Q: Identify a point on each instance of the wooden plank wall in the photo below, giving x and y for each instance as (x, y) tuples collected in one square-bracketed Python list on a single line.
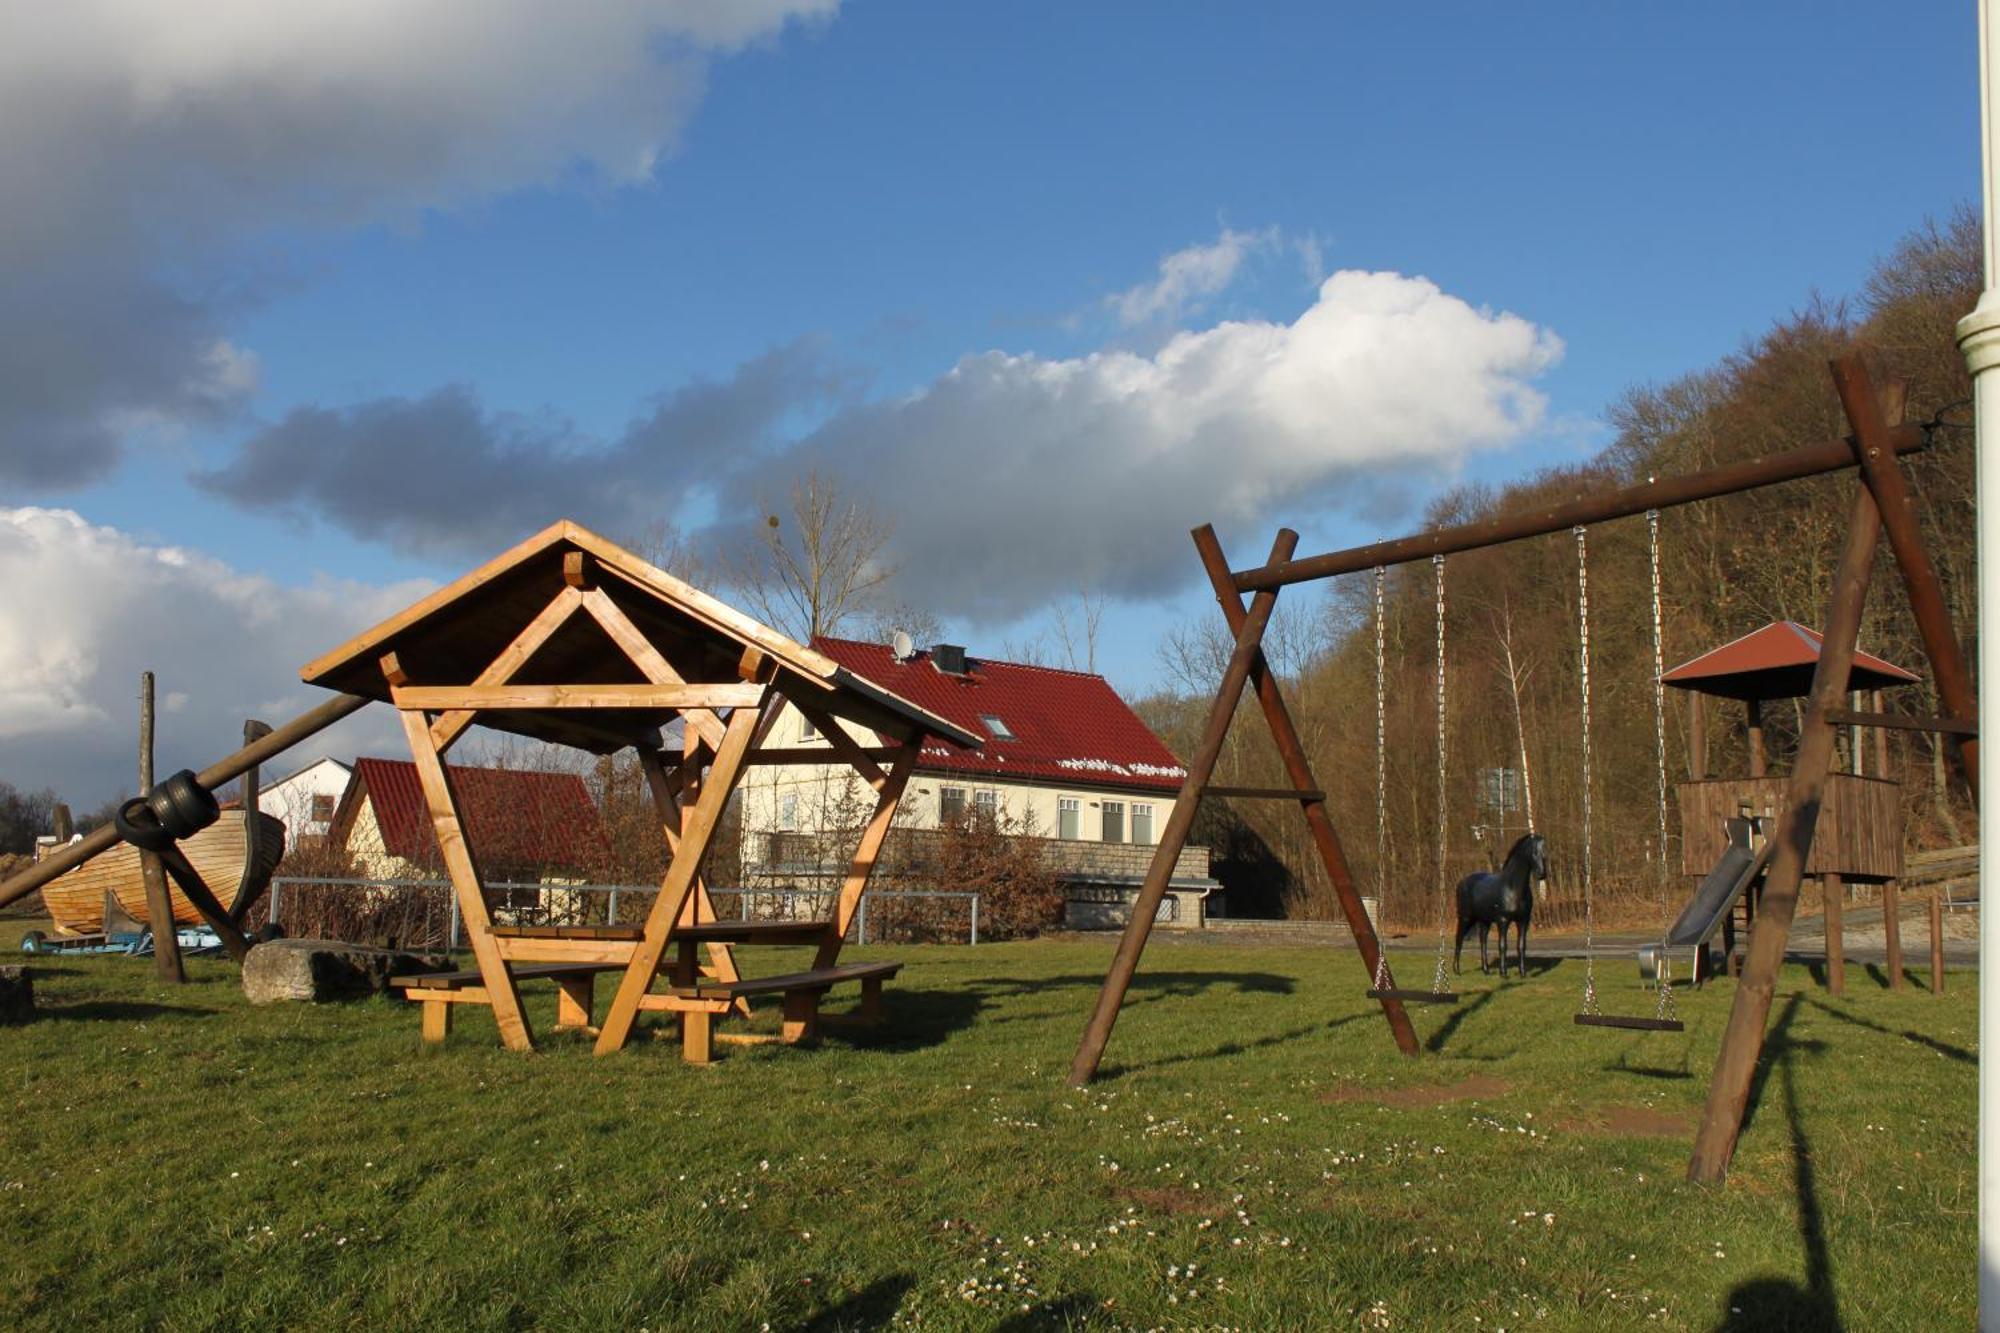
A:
[(1860, 833)]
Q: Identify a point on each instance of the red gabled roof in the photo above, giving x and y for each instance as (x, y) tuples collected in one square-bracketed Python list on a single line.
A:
[(1776, 662), (1069, 727), (514, 819)]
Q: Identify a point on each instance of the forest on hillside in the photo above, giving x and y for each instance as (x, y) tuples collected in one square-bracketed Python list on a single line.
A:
[(1512, 718)]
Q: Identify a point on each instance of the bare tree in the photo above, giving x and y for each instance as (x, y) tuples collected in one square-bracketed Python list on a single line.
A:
[(826, 564), (1076, 628)]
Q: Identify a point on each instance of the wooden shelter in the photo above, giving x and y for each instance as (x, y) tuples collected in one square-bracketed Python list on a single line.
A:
[(568, 638)]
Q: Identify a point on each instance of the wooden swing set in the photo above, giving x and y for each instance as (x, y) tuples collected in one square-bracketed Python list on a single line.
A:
[(1881, 505)]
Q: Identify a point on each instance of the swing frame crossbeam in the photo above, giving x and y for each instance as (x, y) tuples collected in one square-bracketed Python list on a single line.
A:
[(1882, 507)]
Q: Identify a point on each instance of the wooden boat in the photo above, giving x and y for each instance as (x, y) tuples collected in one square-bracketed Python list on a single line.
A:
[(76, 900)]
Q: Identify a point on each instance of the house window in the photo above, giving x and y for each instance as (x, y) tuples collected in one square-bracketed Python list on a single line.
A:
[(807, 731), (998, 726), (951, 805), (1114, 821), (1069, 818), (322, 807), (986, 804), (1142, 823), (788, 811)]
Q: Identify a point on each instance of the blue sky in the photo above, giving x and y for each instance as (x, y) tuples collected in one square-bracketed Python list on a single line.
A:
[(878, 193)]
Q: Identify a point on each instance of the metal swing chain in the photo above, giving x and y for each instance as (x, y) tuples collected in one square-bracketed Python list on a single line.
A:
[(1439, 982), (1663, 982), (1583, 700), (1382, 981)]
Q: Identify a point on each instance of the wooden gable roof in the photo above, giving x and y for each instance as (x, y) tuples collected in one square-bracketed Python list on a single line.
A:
[(451, 636)]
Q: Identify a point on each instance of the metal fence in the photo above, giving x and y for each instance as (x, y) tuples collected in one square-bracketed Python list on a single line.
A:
[(423, 913)]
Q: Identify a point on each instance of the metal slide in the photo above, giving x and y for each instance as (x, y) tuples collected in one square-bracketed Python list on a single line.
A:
[(1743, 860)]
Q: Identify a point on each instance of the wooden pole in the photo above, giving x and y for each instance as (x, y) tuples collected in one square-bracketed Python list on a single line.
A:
[(1306, 788), (1937, 943), (1834, 889), (1882, 769), (1697, 704), (159, 900), (1201, 767), (1876, 451), (1743, 1038), (253, 823), (65, 859), (1754, 728), (1892, 930)]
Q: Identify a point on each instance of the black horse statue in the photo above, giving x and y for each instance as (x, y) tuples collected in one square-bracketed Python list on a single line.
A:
[(1489, 898)]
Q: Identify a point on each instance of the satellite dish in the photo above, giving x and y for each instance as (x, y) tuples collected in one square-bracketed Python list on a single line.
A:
[(904, 647)]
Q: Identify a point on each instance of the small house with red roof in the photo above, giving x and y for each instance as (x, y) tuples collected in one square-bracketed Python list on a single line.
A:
[(1065, 760), (529, 826)]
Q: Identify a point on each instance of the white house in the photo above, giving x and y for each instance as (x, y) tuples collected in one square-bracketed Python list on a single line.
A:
[(306, 800), (1065, 759)]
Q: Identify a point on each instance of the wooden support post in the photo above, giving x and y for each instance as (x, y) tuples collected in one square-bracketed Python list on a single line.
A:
[(1937, 943), (574, 1001), (871, 996), (152, 871), (1754, 731), (466, 883), (436, 1020), (866, 854), (1743, 1038), (1298, 770), (195, 889), (1892, 931), (801, 1016), (697, 1036), (1834, 889), (1697, 706), (678, 882), (667, 807), (1881, 737), (253, 824), (1873, 417)]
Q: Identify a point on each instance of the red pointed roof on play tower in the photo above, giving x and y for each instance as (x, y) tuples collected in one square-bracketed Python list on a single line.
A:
[(1775, 662)]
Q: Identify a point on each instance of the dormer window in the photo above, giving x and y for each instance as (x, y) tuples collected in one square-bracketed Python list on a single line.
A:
[(997, 726)]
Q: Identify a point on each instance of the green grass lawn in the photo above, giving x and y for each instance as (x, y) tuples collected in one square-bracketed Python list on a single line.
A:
[(1256, 1156)]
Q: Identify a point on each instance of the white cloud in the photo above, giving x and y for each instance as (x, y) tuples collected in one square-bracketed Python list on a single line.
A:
[(90, 607), (142, 140), (1014, 478), (1188, 277)]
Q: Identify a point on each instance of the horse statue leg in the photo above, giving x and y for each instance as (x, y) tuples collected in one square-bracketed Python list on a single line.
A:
[(1465, 924), (1521, 944)]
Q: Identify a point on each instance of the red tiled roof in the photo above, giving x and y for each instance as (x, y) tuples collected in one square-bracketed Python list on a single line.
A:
[(1069, 727), (514, 819), (1776, 662)]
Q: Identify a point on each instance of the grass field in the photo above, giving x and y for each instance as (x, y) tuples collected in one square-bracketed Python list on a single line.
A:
[(1256, 1157)]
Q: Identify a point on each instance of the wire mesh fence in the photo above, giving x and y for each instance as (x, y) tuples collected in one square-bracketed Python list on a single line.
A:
[(423, 913)]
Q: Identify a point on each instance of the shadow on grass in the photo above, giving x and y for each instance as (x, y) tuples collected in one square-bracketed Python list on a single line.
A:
[(870, 1308), (1624, 1065), (912, 1019), (1779, 1303), (1149, 984), (1435, 1042), (122, 1010), (1944, 1048), (1114, 1072)]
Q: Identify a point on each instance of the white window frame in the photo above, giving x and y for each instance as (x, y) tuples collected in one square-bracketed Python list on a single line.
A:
[(1104, 812), (1132, 815), (1073, 807), (787, 820), (944, 805), (986, 803)]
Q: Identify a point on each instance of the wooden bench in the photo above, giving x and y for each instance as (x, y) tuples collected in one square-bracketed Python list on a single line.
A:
[(567, 944), (802, 992), (439, 991)]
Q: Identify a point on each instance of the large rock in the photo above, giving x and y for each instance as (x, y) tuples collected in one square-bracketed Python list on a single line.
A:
[(17, 995), (315, 970)]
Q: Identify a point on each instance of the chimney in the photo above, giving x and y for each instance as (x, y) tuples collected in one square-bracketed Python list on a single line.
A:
[(949, 658)]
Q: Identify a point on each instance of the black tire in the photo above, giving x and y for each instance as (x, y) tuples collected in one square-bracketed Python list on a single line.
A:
[(183, 806), (34, 942)]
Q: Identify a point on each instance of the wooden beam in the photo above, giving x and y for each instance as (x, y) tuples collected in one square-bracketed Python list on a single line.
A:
[(639, 650), (463, 870), (678, 882), (1953, 726), (505, 698), (1599, 507), (862, 867), (1173, 837), (195, 889), (666, 788), (501, 669), (1743, 1038), (843, 744), (1262, 793), (1298, 768), (1875, 449), (812, 754)]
